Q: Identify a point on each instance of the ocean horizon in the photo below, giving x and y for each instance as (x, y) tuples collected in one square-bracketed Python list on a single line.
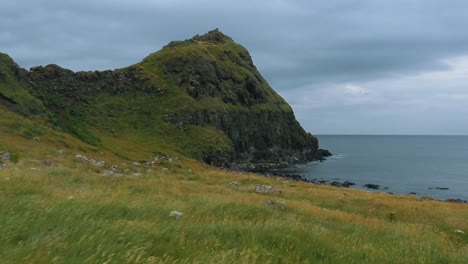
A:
[(432, 166)]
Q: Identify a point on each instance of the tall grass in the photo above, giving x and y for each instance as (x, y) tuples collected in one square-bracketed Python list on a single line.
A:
[(72, 215)]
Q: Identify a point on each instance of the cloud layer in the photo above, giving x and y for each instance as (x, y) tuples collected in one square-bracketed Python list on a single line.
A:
[(346, 66)]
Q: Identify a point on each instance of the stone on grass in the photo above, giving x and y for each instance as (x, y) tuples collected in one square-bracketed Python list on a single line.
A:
[(4, 155), (266, 189), (47, 163), (176, 214), (270, 202), (108, 173), (164, 169), (81, 158), (234, 185), (459, 232)]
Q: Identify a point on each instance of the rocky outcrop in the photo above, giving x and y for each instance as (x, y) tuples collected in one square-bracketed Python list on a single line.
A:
[(203, 88), (263, 136)]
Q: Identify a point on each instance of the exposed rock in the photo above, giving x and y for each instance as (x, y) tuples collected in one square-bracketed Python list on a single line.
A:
[(137, 174), (459, 231), (5, 156), (47, 163), (325, 153), (348, 183), (412, 193), (136, 164), (455, 201), (266, 189), (176, 214), (81, 158), (270, 202), (439, 188), (234, 185), (2, 166), (101, 163), (107, 173), (164, 170), (71, 197), (372, 186)]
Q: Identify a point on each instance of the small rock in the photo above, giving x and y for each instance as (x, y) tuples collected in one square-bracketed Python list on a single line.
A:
[(107, 173), (455, 201), (234, 185), (266, 189), (164, 169), (348, 183), (4, 155), (459, 232), (114, 168), (136, 164), (270, 202), (47, 163), (412, 193), (136, 174), (372, 186), (81, 158), (71, 197), (2, 166), (190, 170), (61, 151), (101, 163), (176, 214)]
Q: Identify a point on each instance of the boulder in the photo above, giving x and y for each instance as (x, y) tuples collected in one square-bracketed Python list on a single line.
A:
[(234, 185), (48, 163), (81, 158), (4, 155), (372, 186), (176, 214)]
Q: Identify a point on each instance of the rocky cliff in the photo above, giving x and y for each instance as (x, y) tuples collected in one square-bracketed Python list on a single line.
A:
[(203, 97)]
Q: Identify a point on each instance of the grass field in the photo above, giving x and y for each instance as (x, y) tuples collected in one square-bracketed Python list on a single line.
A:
[(71, 213)]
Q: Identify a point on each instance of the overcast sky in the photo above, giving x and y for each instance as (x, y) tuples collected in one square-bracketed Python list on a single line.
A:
[(345, 66)]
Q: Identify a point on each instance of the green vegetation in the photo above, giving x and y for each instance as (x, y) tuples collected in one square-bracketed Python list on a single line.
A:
[(14, 95)]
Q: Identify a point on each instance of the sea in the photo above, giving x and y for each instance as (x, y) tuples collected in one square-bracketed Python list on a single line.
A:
[(424, 166)]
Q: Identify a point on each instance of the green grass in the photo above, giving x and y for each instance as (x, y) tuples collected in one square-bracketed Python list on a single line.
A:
[(126, 219)]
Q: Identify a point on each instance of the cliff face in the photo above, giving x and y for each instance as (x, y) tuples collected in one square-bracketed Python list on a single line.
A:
[(203, 97)]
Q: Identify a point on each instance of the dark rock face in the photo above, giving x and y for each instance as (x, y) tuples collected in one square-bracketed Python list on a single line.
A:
[(263, 136)]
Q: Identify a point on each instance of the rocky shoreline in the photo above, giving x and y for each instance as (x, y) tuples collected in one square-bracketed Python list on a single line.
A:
[(275, 170)]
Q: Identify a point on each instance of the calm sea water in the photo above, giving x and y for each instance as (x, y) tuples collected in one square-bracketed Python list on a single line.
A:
[(403, 164)]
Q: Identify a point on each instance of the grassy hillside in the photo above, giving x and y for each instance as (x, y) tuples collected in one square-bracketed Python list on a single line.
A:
[(75, 212)]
